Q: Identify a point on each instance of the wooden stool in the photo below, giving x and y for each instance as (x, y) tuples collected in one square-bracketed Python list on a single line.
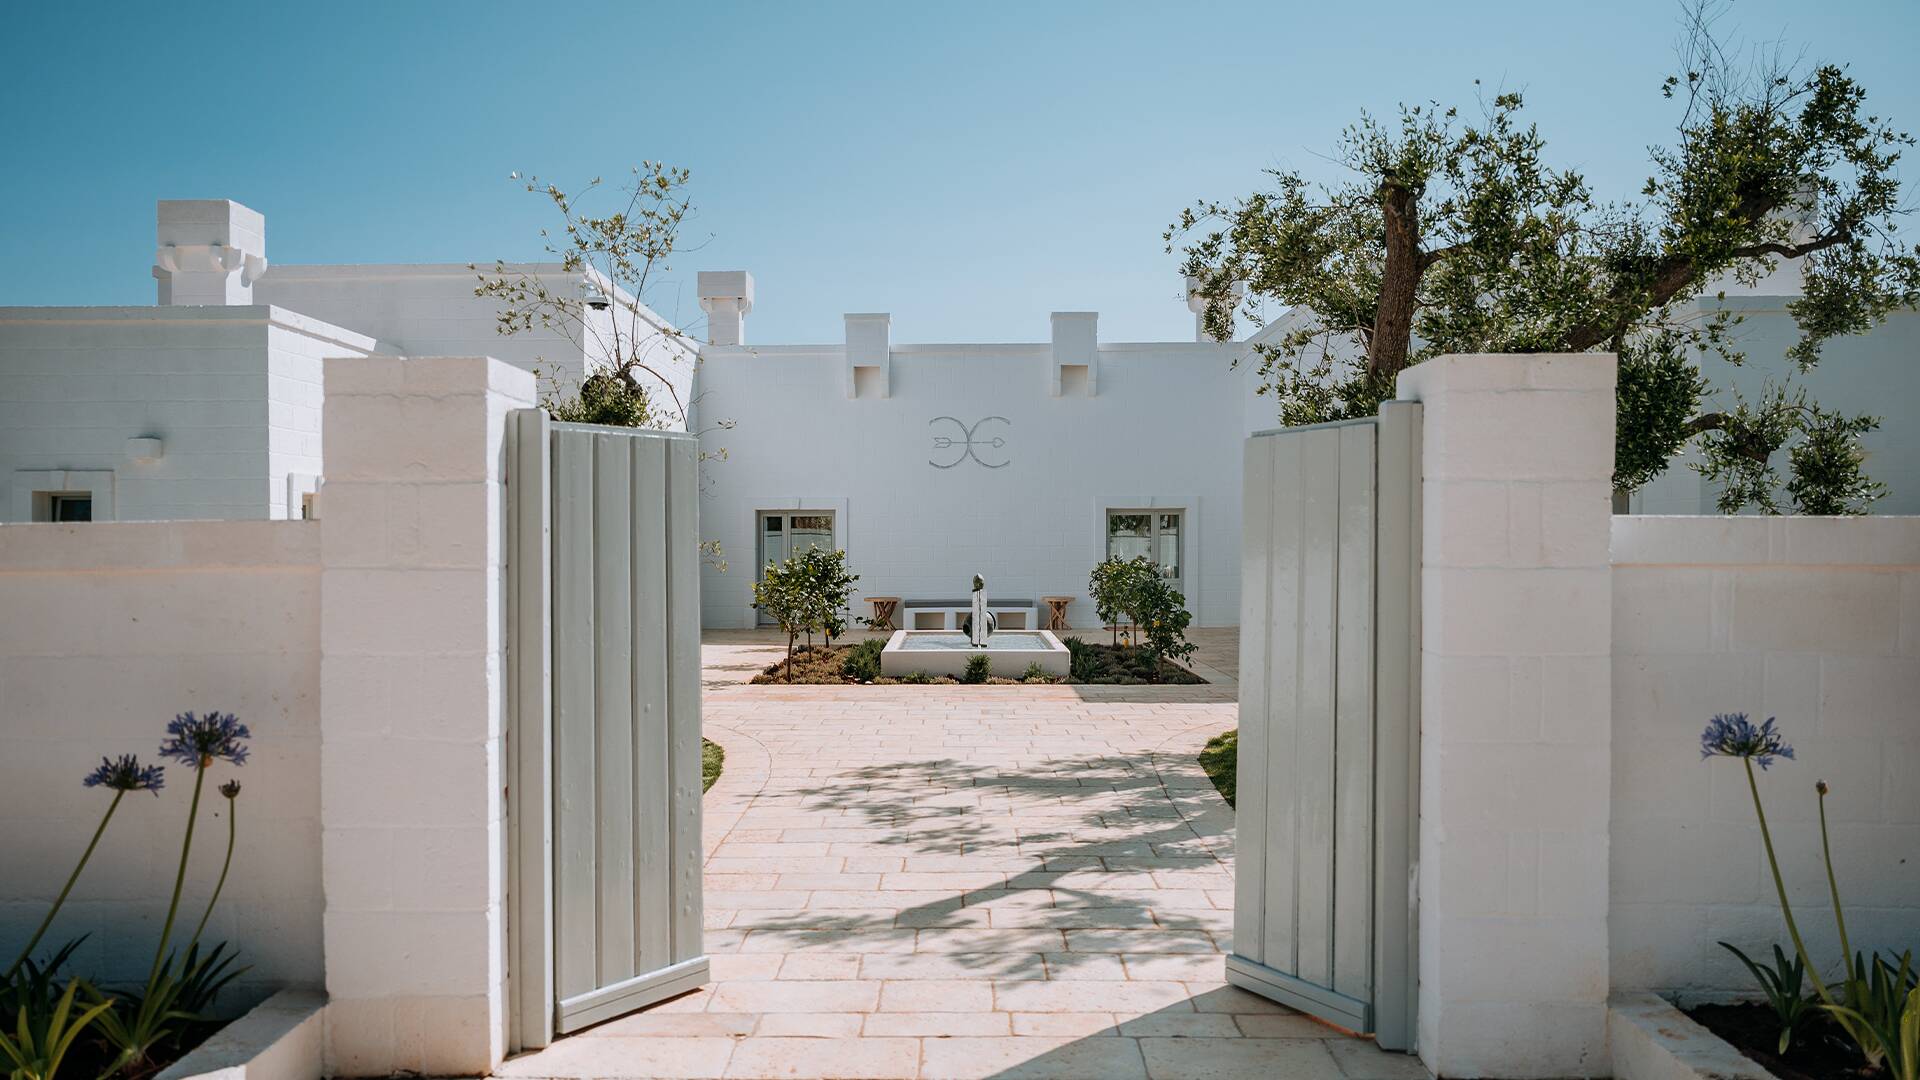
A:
[(883, 609), (1057, 611)]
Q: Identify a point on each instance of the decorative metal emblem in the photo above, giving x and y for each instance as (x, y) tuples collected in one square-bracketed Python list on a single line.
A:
[(969, 443)]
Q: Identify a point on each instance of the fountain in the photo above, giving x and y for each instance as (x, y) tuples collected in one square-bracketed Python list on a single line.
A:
[(945, 652)]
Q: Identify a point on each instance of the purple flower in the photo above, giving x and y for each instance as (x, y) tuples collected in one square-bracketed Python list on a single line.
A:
[(197, 741), (127, 774), (1733, 735)]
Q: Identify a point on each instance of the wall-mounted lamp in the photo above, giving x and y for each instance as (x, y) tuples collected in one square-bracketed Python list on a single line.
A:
[(145, 450)]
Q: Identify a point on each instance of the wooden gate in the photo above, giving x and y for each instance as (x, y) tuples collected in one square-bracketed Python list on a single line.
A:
[(1326, 831), (604, 748)]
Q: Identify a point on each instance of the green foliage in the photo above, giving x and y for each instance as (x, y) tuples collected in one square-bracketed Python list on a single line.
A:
[(1827, 465), (862, 663), (806, 594), (918, 678), (1882, 1013), (979, 669), (613, 256), (606, 399), (1036, 673), (40, 1039), (713, 757), (1117, 586), (1454, 236), (1161, 613), (1221, 761), (1784, 985), (1080, 659)]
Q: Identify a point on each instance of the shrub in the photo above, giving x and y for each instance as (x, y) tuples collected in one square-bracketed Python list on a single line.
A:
[(1114, 583), (1162, 615), (978, 669), (863, 661), (606, 398), (916, 677), (1036, 673), (1081, 663), (805, 593)]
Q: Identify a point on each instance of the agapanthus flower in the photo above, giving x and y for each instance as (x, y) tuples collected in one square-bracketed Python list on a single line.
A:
[(125, 773), (1733, 735), (198, 741)]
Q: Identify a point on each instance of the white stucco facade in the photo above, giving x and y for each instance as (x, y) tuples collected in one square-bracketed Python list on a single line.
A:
[(207, 405), (936, 462)]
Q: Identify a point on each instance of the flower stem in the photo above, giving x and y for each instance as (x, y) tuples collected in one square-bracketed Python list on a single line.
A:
[(180, 875), (67, 888), (233, 810), (1780, 886), (1833, 888)]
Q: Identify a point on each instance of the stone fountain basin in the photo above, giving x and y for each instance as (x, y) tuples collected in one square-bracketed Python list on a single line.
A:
[(946, 652)]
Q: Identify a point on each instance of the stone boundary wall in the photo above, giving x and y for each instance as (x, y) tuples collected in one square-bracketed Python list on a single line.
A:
[(1815, 621), (110, 630)]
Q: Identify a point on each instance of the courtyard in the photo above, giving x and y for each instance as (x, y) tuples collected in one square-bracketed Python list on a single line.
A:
[(962, 881)]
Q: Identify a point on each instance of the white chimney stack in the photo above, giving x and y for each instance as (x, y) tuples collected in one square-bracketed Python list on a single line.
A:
[(210, 253), (1197, 303), (727, 297)]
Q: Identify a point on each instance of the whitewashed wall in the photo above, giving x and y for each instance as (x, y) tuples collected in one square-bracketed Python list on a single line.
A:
[(233, 393), (1816, 622), (1874, 373), (110, 631), (1163, 429), (430, 310)]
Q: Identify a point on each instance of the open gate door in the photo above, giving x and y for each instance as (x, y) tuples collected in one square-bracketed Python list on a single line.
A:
[(1326, 826), (604, 750)]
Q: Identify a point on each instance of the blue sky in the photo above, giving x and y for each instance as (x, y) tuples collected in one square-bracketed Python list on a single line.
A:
[(968, 167)]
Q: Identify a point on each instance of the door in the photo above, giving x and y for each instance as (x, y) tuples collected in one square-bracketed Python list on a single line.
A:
[(604, 748), (785, 533), (1324, 884)]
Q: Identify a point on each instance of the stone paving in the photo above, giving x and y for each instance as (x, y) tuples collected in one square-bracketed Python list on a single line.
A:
[(948, 881)]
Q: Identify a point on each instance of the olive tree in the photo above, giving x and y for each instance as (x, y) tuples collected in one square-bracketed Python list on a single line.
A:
[(1455, 235)]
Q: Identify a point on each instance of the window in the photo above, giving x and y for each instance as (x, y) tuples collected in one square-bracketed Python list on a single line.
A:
[(785, 533), (69, 506), (1152, 533)]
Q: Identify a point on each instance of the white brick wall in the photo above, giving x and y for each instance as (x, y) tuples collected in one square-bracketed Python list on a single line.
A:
[(232, 392), (412, 631), (1816, 622), (111, 630), (1514, 713)]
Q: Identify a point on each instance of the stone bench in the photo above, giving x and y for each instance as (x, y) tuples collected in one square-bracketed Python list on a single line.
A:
[(946, 614)]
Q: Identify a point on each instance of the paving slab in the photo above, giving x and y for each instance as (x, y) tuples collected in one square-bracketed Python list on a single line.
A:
[(959, 881)]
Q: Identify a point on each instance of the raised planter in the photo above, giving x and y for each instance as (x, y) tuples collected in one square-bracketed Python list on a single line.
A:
[(1649, 1039), (279, 1039), (946, 652)]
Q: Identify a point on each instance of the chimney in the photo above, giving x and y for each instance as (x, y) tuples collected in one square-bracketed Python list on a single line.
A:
[(1076, 353), (1197, 302), (726, 296), (210, 253), (870, 346)]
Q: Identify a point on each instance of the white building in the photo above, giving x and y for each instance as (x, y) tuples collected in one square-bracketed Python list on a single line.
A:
[(1026, 463), (208, 404)]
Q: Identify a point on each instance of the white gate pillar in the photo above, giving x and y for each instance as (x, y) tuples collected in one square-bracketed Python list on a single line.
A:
[(1515, 712), (412, 713)]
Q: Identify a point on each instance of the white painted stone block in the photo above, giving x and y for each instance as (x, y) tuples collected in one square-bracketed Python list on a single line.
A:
[(1515, 713), (411, 739)]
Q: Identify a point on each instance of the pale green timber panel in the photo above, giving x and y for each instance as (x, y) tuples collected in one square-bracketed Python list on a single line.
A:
[(576, 786), (1328, 740), (652, 870), (683, 698)]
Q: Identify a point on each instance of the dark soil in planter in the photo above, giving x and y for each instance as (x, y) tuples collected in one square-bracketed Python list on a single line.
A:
[(90, 1056), (1820, 1051)]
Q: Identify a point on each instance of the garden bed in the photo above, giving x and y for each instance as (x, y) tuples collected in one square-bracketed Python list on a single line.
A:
[(1819, 1052), (1094, 664)]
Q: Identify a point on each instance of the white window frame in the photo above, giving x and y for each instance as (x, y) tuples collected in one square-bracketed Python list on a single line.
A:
[(31, 488), (764, 505), (1189, 509)]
